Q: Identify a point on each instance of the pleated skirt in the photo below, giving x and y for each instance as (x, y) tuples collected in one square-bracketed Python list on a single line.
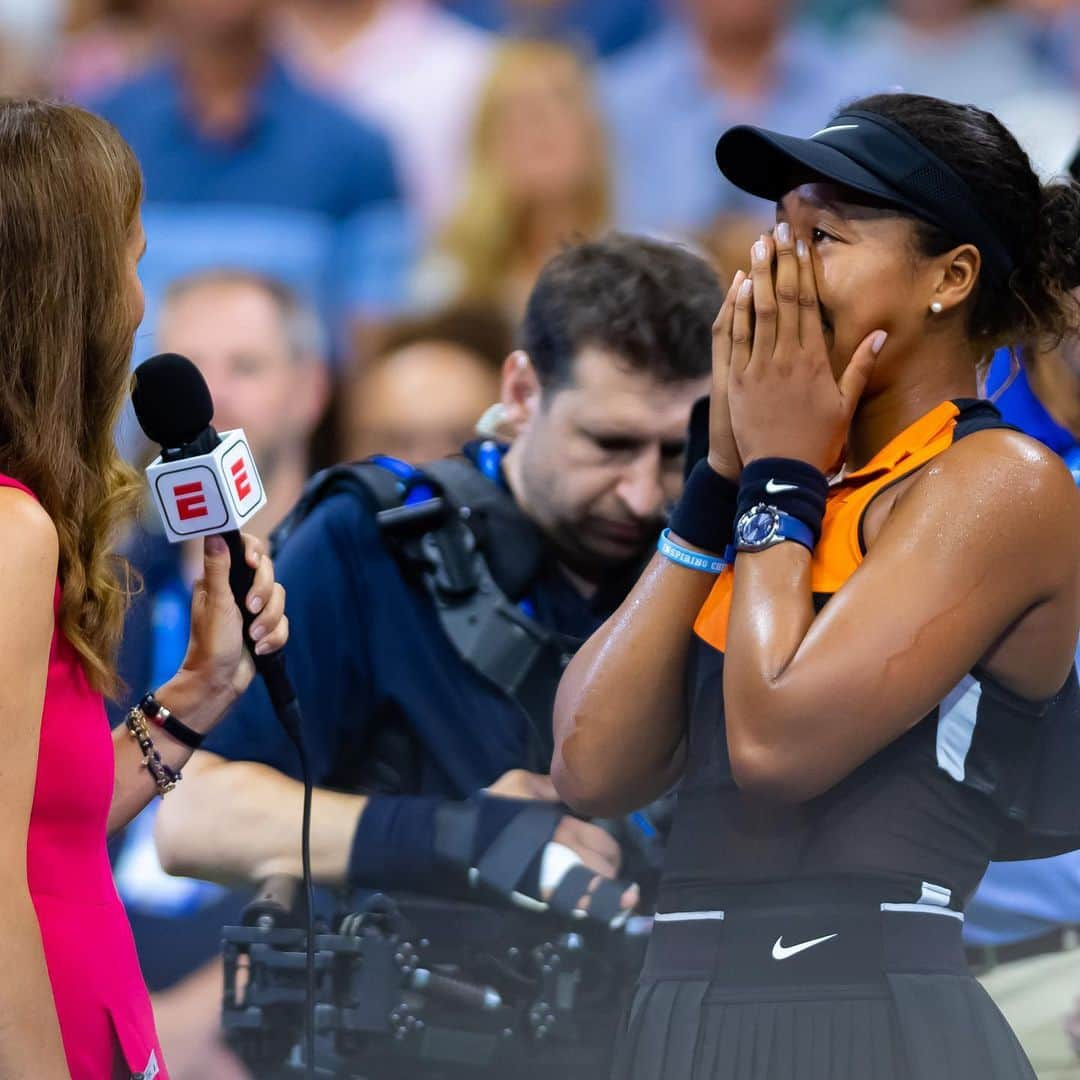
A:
[(863, 1012)]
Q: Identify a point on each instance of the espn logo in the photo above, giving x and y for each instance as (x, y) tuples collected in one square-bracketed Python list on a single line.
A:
[(240, 478), (190, 501), (208, 494)]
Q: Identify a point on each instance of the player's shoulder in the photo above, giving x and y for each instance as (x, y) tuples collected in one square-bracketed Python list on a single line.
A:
[(1008, 477), (1009, 456)]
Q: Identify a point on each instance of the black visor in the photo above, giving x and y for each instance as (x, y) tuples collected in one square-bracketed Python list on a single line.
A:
[(870, 154)]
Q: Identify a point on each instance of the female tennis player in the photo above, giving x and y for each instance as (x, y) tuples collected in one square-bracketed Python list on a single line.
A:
[(866, 687)]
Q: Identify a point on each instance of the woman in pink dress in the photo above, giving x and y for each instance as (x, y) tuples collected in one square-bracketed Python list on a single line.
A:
[(72, 998)]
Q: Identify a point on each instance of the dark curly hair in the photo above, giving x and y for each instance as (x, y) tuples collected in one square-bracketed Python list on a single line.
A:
[(649, 303), (1038, 223)]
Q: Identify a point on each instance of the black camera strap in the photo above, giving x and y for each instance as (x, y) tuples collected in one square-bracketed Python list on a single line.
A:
[(475, 554)]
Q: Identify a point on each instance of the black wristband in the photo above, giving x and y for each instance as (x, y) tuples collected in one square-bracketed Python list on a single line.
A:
[(705, 515), (160, 717), (793, 487), (394, 844), (417, 843)]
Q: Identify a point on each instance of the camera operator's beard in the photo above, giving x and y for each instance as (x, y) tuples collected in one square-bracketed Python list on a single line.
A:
[(586, 565)]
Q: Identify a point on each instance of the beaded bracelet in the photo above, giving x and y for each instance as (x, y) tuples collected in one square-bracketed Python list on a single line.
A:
[(164, 778)]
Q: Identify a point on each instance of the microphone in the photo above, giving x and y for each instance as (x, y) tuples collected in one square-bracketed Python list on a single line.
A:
[(206, 484)]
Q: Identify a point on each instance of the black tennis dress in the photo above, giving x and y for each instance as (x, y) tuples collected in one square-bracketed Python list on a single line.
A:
[(823, 941)]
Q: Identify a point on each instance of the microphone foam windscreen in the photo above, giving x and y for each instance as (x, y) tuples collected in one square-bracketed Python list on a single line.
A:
[(171, 399)]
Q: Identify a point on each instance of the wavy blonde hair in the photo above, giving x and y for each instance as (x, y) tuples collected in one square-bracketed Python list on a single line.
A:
[(70, 190), (483, 232)]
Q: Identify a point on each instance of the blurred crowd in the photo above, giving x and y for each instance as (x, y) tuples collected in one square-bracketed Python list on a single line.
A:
[(347, 203), (406, 166)]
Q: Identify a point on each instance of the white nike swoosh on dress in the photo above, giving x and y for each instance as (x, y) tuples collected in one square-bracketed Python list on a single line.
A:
[(773, 488), (835, 127), (782, 952)]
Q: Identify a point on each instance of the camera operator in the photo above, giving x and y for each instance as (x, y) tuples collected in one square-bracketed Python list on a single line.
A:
[(411, 737)]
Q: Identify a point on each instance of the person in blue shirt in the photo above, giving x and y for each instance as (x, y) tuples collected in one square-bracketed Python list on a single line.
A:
[(245, 166), (717, 63), (402, 732), (217, 118), (1040, 393), (603, 26)]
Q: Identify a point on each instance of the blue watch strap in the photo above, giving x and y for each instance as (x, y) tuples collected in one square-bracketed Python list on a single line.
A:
[(787, 527), (692, 560), (791, 528)]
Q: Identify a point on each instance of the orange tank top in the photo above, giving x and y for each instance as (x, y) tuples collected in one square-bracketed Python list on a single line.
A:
[(840, 550)]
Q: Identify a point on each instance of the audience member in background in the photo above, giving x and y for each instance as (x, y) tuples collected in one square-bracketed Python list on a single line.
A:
[(422, 395), (538, 178), (262, 354), (244, 165), (218, 119), (603, 26), (726, 240), (723, 62), (105, 42), (413, 67), (29, 30), (972, 51), (1057, 24)]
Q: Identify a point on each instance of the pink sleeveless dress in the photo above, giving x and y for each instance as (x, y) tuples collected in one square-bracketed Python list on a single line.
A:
[(101, 999)]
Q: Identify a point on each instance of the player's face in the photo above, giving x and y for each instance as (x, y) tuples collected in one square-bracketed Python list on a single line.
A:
[(868, 274)]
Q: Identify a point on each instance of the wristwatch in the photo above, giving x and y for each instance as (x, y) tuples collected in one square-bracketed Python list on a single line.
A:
[(763, 526)]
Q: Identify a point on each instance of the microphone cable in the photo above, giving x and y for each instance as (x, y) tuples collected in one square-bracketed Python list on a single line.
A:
[(293, 726), (287, 710), (174, 408)]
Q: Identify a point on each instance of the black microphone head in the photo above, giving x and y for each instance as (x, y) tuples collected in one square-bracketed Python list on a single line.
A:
[(171, 399)]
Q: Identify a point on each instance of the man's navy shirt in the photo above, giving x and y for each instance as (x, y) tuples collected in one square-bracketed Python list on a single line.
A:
[(370, 661), (299, 150)]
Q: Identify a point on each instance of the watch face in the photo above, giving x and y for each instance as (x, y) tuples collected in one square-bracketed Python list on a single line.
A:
[(758, 526)]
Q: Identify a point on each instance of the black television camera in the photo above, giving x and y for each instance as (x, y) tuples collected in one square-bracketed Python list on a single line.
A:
[(495, 993)]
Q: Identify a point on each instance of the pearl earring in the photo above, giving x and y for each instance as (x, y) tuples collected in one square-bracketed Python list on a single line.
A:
[(935, 307)]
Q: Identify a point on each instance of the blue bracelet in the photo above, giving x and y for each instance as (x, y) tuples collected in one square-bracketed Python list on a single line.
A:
[(692, 560)]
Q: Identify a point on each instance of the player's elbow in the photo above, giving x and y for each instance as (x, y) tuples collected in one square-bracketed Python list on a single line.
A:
[(585, 781), (596, 780), (576, 770), (587, 792), (768, 772)]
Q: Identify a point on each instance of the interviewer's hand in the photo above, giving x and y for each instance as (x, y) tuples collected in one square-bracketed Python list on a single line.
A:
[(216, 659)]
